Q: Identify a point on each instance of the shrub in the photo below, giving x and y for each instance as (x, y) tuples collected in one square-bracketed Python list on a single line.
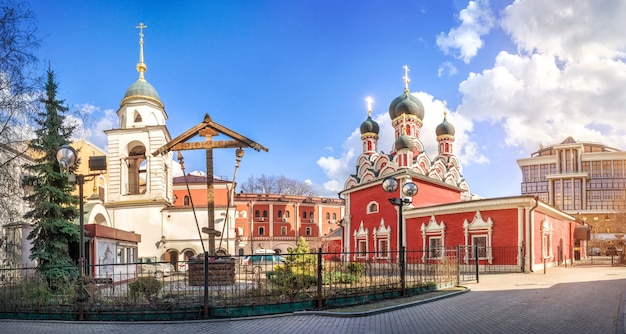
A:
[(336, 277), (290, 283), (355, 268), (148, 287)]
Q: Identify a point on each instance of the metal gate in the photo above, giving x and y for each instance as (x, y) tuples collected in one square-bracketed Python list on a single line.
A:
[(473, 261)]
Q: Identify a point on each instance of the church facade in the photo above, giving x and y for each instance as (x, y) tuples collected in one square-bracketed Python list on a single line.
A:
[(444, 212)]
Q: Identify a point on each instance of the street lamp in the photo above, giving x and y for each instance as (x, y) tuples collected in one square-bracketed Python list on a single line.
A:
[(409, 189), (67, 158)]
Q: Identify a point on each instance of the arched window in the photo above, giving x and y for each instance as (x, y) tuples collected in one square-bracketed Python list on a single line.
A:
[(327, 215), (137, 117), (304, 214), (308, 231), (334, 216), (241, 251), (261, 230), (137, 166), (257, 213), (280, 214), (186, 200), (286, 214), (265, 213), (311, 215), (283, 230), (372, 207)]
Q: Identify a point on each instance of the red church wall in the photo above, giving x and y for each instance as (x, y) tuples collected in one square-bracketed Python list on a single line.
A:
[(431, 194)]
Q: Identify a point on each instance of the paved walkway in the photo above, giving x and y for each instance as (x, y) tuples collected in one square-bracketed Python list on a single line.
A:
[(565, 300)]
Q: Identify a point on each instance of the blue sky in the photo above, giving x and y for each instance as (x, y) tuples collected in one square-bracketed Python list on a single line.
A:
[(294, 75)]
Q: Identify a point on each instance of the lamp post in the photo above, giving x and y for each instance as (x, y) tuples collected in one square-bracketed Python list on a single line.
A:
[(409, 189), (67, 158)]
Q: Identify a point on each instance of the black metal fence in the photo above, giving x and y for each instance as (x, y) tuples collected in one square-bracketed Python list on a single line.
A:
[(241, 285)]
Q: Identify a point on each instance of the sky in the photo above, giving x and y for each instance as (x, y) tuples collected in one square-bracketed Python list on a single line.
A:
[(294, 76)]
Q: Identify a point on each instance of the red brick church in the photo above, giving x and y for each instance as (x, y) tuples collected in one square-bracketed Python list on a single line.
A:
[(435, 205)]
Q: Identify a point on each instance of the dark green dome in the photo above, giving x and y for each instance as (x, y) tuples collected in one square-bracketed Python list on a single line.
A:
[(403, 142), (141, 88), (369, 125), (445, 128), (406, 104)]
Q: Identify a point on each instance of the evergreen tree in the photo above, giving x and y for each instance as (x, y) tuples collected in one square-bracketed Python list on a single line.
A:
[(53, 207)]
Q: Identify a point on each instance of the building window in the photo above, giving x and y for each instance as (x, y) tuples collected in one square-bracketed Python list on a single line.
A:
[(311, 215), (334, 216), (308, 231), (434, 247), (479, 242), (286, 214), (383, 248), (265, 213), (372, 207), (186, 200), (280, 214), (257, 213), (327, 215), (261, 230), (304, 214), (362, 248)]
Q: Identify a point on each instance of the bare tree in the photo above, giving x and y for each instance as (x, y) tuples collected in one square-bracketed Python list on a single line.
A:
[(18, 103), (275, 185)]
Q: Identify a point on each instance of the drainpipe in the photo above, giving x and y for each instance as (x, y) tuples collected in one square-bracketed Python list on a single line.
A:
[(530, 232)]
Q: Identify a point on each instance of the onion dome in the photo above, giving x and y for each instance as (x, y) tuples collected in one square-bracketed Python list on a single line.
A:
[(369, 126), (404, 142), (406, 103), (141, 88), (445, 128)]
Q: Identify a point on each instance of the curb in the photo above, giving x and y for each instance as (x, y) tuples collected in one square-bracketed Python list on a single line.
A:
[(382, 309)]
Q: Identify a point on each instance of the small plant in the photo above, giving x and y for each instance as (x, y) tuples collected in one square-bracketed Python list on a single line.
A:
[(147, 287), (336, 277), (355, 268)]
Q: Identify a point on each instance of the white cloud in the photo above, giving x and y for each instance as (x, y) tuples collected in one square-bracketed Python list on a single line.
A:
[(465, 40), (446, 68), (567, 79)]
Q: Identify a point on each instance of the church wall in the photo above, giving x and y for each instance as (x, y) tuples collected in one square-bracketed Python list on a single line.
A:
[(144, 219)]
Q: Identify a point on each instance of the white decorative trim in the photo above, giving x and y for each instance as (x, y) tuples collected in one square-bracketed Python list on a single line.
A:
[(381, 233), (479, 227)]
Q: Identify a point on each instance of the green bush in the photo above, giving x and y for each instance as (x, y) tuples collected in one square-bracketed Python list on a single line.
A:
[(290, 283), (355, 268), (147, 287), (337, 277)]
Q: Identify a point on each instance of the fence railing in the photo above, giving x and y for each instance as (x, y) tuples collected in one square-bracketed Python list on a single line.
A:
[(235, 286)]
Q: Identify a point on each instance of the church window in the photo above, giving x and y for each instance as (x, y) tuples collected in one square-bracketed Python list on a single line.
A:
[(137, 117), (372, 207), (362, 248), (479, 243), (434, 247), (137, 170), (261, 230), (381, 235)]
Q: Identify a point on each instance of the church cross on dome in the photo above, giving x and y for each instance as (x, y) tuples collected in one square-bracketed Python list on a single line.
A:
[(141, 66), (369, 101), (406, 78)]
